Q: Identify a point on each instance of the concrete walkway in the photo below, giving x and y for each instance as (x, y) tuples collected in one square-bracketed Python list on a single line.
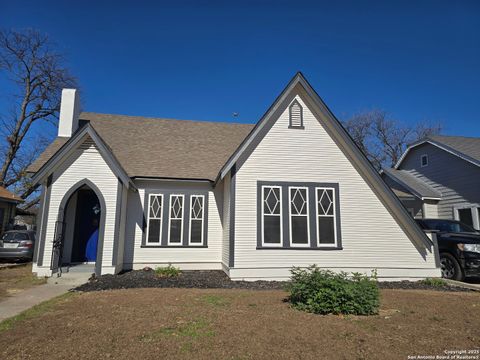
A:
[(465, 285), (25, 299)]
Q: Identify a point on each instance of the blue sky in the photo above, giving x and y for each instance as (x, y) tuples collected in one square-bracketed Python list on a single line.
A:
[(418, 60)]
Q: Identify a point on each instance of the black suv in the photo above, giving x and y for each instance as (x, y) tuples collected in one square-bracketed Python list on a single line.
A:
[(458, 245)]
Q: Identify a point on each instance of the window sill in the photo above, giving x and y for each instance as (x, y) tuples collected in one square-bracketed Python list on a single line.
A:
[(299, 248), (175, 246), (296, 127)]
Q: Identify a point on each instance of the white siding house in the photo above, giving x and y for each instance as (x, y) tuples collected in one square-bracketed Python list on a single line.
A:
[(252, 201), (310, 155)]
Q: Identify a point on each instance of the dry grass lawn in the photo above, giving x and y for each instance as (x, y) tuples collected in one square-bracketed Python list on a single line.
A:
[(238, 324), (17, 279)]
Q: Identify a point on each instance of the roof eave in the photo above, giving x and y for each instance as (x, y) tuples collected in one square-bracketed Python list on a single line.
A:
[(12, 200), (409, 188), (166, 178), (439, 145)]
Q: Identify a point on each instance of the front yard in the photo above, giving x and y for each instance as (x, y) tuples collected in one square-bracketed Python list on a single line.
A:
[(238, 324), (16, 279)]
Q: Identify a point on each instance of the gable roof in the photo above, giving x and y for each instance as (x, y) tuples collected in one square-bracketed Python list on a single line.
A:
[(467, 148), (161, 148), (413, 184), (85, 133), (6, 195), (346, 144)]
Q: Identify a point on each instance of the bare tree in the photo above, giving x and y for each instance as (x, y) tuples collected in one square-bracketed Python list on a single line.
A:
[(382, 139), (36, 72)]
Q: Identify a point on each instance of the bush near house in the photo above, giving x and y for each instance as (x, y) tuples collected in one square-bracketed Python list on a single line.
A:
[(325, 292), (168, 271), (434, 282)]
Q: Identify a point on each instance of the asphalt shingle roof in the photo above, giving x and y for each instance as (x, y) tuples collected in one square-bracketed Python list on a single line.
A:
[(468, 146), (153, 147), (9, 196), (417, 186)]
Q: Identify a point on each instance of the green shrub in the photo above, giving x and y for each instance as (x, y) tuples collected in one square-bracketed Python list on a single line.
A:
[(169, 271), (325, 292), (435, 282)]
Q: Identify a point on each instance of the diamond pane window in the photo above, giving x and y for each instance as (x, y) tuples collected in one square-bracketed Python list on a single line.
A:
[(154, 227), (176, 220), (271, 215), (299, 224), (326, 223), (196, 219)]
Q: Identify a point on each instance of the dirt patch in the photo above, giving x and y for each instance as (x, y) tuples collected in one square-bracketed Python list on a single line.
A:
[(16, 279), (213, 279), (240, 324)]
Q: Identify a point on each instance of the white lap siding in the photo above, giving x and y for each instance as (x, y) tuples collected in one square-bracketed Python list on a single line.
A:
[(371, 238), (137, 256), (86, 163)]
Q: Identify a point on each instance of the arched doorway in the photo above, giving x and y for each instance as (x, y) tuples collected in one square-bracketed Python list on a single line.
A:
[(79, 229), (82, 222)]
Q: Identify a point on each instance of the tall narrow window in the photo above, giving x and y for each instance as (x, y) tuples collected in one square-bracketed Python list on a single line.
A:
[(326, 222), (299, 227), (154, 227), (295, 115), (196, 219), (175, 230), (424, 160), (272, 216)]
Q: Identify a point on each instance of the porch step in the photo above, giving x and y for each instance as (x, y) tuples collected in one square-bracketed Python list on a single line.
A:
[(82, 268), (71, 278)]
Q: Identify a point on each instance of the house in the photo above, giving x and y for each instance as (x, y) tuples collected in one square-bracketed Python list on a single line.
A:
[(253, 201), (439, 177), (25, 219), (8, 205)]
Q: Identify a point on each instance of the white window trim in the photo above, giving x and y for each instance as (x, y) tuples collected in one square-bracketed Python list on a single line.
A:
[(474, 211), (160, 218), (280, 244), (292, 244), (334, 217), (170, 219), (190, 221), (421, 160)]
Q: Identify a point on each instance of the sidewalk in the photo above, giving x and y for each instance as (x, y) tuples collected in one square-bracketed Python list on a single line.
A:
[(25, 299), (465, 285)]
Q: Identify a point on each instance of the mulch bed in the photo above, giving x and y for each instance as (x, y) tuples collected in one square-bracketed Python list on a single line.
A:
[(419, 285), (215, 279)]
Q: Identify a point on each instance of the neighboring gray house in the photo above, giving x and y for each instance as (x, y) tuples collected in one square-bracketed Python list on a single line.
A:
[(439, 177), (124, 192)]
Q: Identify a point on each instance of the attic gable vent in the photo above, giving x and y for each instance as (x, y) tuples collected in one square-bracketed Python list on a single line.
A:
[(88, 144), (296, 116)]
